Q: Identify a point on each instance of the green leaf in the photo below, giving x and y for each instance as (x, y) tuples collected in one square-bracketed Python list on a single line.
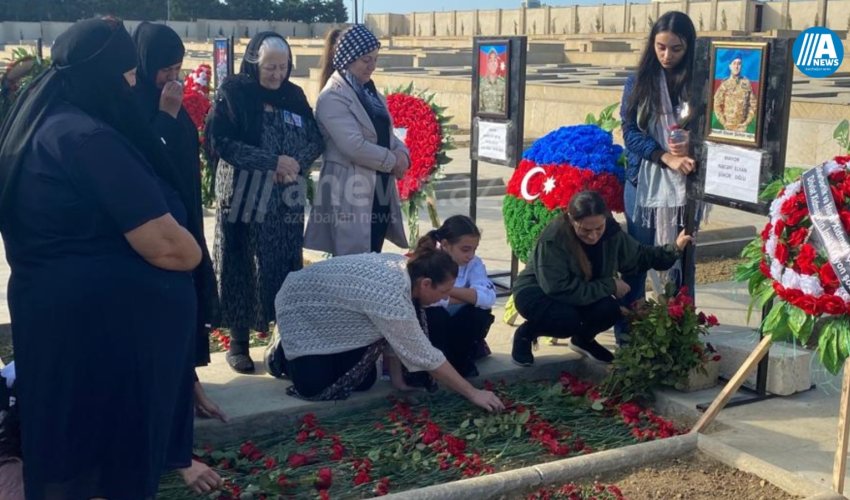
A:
[(471, 436), (774, 323), (806, 330), (828, 346), (518, 431), (796, 319), (464, 424), (841, 134), (760, 298), (523, 417), (597, 406), (374, 454)]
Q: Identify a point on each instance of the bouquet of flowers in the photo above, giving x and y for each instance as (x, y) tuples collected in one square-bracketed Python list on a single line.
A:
[(789, 264), (420, 123), (556, 167), (664, 345)]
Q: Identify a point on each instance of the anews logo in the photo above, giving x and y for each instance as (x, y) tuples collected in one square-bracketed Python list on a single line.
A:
[(818, 52)]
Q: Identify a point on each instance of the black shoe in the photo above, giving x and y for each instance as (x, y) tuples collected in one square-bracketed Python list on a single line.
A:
[(521, 352), (240, 363), (274, 360), (592, 349)]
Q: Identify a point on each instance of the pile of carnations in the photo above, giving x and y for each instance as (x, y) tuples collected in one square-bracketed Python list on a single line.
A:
[(556, 167), (397, 445), (789, 265), (421, 123), (574, 491)]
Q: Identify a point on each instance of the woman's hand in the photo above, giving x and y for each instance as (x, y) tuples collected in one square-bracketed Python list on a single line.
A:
[(682, 164), (621, 288), (287, 169), (401, 165), (487, 400), (683, 240), (206, 406), (171, 98), (678, 149), (200, 478)]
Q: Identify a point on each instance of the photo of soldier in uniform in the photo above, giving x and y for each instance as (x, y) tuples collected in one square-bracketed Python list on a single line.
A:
[(492, 82), (736, 94)]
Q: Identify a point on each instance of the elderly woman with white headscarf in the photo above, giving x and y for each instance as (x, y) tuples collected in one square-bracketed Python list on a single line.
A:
[(356, 204), (263, 130)]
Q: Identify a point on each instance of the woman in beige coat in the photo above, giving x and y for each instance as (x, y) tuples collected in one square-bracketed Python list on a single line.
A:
[(356, 202)]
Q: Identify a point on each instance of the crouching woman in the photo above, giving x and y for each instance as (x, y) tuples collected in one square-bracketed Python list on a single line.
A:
[(571, 285), (335, 317)]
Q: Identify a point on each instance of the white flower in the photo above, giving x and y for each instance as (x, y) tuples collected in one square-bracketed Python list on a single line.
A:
[(810, 285)]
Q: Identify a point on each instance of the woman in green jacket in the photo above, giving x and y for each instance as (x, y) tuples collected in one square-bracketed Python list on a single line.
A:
[(571, 285)]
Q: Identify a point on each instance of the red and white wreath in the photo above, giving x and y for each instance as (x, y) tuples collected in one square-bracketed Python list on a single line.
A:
[(800, 270)]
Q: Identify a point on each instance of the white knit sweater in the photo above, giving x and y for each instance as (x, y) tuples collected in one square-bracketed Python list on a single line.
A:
[(352, 301)]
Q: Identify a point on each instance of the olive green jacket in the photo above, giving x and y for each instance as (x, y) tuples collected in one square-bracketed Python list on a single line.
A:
[(556, 270)]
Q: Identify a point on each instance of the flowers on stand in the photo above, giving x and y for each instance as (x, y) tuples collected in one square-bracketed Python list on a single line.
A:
[(788, 262), (556, 167), (197, 102), (664, 345), (420, 123), (398, 445)]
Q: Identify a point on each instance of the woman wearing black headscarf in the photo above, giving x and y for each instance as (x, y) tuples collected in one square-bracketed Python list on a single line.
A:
[(161, 97), (101, 298), (264, 133)]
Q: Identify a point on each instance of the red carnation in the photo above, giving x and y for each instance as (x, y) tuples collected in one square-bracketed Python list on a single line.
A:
[(798, 237), (831, 304), (324, 478), (297, 460), (782, 253)]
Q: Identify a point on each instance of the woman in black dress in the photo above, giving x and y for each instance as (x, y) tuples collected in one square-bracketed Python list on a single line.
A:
[(161, 98), (101, 296), (264, 133)]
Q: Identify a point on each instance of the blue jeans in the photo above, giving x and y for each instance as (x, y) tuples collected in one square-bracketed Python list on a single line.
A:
[(637, 282)]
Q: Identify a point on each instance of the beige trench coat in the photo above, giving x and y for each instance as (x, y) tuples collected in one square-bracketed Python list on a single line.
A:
[(340, 219)]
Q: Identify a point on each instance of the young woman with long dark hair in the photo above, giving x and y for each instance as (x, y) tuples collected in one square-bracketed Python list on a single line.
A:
[(571, 285), (655, 114)]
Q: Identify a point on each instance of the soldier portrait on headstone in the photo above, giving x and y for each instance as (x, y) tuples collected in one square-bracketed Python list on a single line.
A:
[(735, 98), (492, 83)]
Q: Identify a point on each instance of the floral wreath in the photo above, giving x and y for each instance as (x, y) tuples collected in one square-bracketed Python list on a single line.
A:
[(556, 167), (420, 123), (786, 263)]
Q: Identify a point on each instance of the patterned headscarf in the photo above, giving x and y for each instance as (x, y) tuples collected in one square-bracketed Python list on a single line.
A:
[(356, 42)]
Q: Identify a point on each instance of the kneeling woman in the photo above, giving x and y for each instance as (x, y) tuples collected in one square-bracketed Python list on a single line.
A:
[(335, 317), (570, 287)]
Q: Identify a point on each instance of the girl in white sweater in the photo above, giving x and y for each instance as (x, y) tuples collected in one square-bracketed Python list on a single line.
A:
[(458, 324)]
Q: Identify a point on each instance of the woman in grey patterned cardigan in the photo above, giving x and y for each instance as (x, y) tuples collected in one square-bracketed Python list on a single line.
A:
[(335, 317)]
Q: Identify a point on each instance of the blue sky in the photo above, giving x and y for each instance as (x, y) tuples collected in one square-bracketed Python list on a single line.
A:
[(404, 6)]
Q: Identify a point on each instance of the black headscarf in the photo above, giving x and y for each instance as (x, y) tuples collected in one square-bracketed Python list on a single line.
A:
[(158, 47), (88, 65)]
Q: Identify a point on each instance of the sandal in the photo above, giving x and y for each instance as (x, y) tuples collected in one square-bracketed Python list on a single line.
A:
[(240, 363)]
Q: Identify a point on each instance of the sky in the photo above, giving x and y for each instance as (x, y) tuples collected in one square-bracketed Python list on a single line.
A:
[(405, 6)]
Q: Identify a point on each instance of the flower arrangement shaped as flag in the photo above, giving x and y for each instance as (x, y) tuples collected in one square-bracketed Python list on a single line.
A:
[(556, 167)]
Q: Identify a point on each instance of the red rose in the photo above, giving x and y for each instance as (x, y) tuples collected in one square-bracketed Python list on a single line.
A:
[(676, 311), (712, 320), (324, 478)]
